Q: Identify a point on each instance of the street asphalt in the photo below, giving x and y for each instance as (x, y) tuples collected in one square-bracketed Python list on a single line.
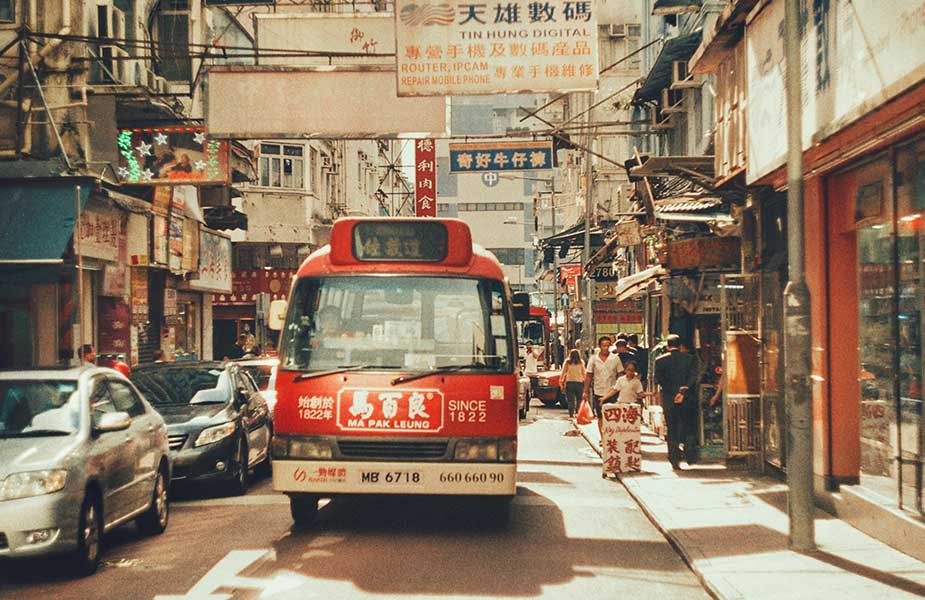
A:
[(571, 534)]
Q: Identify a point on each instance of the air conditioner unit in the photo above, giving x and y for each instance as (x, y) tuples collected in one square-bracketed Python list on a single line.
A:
[(617, 30), (672, 101), (680, 78)]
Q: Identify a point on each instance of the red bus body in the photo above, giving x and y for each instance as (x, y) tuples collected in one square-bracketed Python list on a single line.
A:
[(355, 430)]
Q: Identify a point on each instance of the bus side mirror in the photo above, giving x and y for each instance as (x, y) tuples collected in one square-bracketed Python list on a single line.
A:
[(520, 302), (277, 315)]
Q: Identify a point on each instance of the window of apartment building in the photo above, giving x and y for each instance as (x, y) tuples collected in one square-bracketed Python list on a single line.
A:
[(489, 206), (282, 166), (173, 40), (509, 256), (7, 11)]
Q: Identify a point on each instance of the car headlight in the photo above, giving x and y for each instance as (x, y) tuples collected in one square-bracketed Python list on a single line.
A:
[(544, 381), (210, 435), (32, 483)]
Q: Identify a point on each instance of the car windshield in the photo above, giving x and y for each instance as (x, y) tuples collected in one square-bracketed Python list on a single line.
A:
[(260, 374), (191, 384), (41, 406), (397, 322)]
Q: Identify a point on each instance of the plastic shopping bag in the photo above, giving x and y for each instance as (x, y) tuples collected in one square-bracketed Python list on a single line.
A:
[(584, 415)]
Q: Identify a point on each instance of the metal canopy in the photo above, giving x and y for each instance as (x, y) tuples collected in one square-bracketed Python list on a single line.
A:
[(676, 7), (574, 237), (659, 77), (699, 169), (633, 284), (726, 33)]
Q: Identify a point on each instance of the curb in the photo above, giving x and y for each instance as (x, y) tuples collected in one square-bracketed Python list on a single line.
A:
[(708, 586)]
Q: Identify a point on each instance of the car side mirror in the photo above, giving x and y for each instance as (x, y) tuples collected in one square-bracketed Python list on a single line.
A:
[(114, 421)]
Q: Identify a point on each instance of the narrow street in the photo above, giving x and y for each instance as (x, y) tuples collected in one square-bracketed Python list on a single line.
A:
[(572, 534)]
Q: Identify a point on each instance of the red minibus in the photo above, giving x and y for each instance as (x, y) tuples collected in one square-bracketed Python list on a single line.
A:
[(397, 369)]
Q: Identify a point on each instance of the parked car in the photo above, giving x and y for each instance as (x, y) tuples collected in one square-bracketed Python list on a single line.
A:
[(217, 421), (547, 389), (263, 372), (81, 452)]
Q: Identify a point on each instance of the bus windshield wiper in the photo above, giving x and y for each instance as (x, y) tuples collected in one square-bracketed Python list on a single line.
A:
[(438, 370), (342, 369), (34, 433)]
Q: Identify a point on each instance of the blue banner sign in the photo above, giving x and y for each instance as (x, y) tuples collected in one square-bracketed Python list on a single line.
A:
[(500, 156)]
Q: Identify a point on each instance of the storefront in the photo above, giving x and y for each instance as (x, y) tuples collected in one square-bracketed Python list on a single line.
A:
[(243, 310), (877, 226)]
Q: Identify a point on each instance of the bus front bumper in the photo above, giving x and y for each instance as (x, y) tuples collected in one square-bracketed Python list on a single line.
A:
[(346, 477)]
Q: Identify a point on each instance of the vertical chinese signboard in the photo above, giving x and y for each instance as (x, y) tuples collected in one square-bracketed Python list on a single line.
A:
[(459, 47), (622, 452), (425, 185)]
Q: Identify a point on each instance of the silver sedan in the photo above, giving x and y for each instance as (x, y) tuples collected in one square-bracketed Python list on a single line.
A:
[(81, 452)]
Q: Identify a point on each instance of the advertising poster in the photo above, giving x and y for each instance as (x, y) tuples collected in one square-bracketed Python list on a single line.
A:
[(459, 47), (172, 156), (160, 239), (175, 243), (139, 296), (621, 440), (214, 263)]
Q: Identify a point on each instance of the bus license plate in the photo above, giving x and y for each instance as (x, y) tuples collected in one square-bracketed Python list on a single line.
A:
[(391, 477)]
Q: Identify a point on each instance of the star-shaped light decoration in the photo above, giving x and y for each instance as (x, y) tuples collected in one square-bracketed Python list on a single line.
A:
[(200, 137), (161, 139), (147, 175), (144, 149), (200, 165), (123, 172)]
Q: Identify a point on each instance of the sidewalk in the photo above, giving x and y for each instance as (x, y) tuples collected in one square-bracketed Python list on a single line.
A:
[(731, 528)]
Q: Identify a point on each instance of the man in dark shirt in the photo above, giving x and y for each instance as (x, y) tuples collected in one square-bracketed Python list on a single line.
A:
[(642, 356), (675, 373)]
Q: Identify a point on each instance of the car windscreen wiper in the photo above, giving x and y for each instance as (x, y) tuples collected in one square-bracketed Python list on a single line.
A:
[(342, 369), (438, 370), (34, 433)]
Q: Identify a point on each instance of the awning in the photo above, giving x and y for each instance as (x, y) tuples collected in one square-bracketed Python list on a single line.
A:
[(726, 33), (659, 77), (675, 7), (687, 203), (698, 169), (574, 237), (633, 284), (37, 218)]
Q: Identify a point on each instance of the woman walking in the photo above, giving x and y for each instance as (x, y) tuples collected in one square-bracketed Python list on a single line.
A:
[(572, 381)]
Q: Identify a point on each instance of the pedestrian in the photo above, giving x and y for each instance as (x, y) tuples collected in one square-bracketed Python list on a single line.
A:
[(237, 351), (627, 389), (87, 354), (532, 358), (158, 355), (622, 350), (600, 374), (676, 372), (642, 357), (572, 380)]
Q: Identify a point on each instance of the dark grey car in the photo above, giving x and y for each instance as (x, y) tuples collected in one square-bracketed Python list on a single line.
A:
[(81, 452), (218, 423)]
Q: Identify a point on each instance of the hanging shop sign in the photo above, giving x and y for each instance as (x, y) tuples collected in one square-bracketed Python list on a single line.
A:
[(358, 36), (190, 259), (856, 55), (114, 275), (248, 284), (500, 156), (464, 47), (100, 228), (171, 156), (214, 263), (628, 234), (425, 174), (704, 252), (139, 283)]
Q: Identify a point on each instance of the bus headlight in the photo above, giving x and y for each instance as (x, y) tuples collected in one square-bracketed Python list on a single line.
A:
[(314, 449), (480, 450)]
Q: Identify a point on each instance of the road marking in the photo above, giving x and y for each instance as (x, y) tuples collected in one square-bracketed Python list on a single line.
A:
[(225, 575)]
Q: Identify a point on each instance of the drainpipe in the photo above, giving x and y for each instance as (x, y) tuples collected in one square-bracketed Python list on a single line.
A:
[(797, 317), (47, 48)]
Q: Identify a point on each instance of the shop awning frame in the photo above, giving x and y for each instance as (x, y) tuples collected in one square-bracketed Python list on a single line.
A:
[(38, 216), (659, 77), (631, 285), (676, 7), (700, 170)]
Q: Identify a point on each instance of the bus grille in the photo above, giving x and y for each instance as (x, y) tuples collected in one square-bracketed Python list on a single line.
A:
[(392, 449)]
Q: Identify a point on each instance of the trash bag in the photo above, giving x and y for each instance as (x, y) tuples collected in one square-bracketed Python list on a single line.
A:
[(584, 415)]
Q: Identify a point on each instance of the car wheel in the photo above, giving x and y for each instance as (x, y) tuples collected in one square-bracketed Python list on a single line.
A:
[(239, 474), (89, 535), (154, 520), (304, 509)]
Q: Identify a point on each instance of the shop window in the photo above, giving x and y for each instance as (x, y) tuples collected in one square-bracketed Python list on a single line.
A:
[(282, 166)]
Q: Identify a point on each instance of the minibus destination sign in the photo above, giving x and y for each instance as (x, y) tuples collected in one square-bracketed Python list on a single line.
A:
[(400, 241)]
